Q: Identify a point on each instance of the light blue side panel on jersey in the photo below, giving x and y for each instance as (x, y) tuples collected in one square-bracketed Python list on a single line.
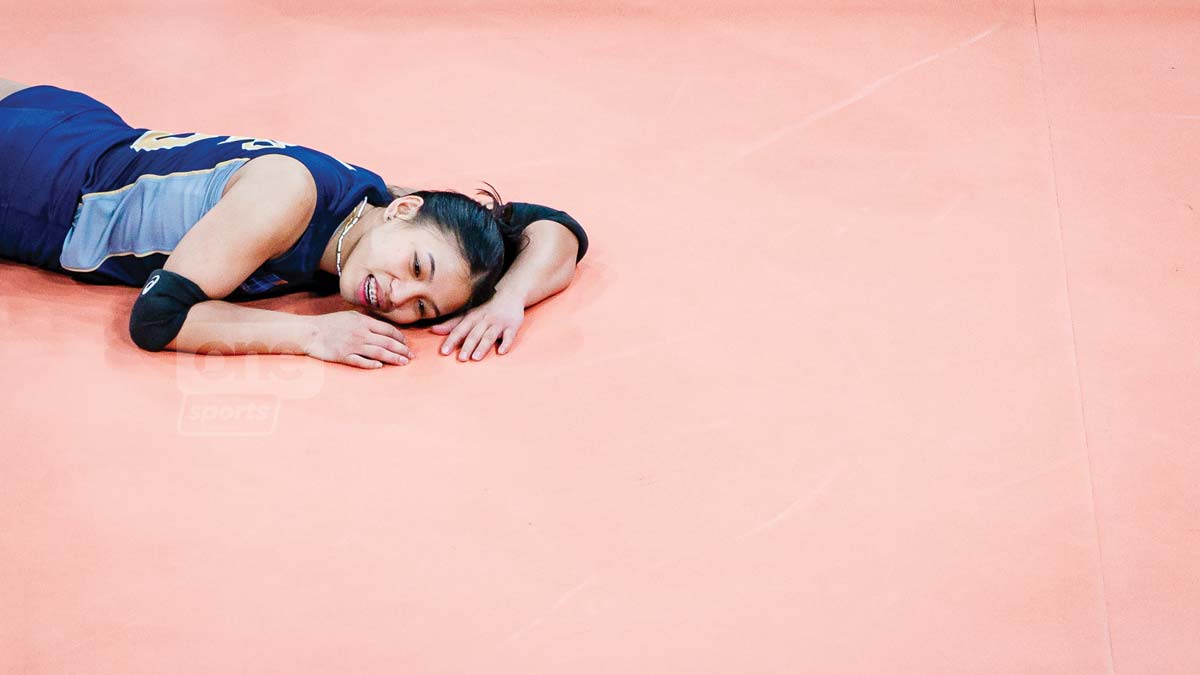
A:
[(150, 216)]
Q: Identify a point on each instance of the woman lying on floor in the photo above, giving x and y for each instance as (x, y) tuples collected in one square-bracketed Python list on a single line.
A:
[(196, 218)]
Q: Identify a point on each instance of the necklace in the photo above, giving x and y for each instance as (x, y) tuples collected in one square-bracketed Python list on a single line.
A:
[(353, 220)]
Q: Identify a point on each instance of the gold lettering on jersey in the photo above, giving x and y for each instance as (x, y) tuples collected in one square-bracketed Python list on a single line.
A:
[(252, 143), (165, 140)]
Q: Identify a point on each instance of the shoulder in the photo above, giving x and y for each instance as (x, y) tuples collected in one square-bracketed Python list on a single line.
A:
[(276, 176), (260, 215), (279, 188), (270, 198)]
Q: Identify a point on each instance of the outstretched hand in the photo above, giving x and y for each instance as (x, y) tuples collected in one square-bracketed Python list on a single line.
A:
[(476, 332)]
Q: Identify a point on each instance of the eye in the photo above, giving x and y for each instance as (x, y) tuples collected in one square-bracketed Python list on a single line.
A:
[(416, 265), (421, 308)]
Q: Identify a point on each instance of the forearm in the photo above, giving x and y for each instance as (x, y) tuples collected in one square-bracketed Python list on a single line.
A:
[(544, 267), (222, 327)]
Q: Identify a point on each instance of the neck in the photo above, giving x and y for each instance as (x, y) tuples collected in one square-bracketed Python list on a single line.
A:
[(371, 217)]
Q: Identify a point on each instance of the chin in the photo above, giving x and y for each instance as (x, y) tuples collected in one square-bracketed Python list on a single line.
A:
[(345, 290)]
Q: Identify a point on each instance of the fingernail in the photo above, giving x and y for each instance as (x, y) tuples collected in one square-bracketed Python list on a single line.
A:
[(477, 356)]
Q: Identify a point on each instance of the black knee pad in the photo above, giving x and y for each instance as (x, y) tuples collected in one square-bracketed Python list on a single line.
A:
[(161, 309)]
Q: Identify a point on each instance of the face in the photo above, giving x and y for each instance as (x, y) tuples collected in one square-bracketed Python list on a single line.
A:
[(406, 272)]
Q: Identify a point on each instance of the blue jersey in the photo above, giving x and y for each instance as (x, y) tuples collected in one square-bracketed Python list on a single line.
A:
[(84, 193)]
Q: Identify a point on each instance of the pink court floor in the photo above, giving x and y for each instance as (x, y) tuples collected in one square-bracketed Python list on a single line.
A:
[(885, 357)]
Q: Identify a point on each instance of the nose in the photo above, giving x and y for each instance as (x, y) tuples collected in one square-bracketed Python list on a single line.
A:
[(401, 291)]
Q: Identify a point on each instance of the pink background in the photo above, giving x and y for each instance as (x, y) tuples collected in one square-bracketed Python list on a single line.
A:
[(884, 359)]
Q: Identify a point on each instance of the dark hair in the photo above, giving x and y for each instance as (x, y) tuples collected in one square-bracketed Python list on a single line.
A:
[(485, 235)]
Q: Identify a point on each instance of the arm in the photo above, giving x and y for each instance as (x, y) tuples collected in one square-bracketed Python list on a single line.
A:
[(544, 267), (349, 337), (215, 326), (265, 208)]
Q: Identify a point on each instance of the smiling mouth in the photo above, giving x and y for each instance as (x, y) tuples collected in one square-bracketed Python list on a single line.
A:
[(370, 292)]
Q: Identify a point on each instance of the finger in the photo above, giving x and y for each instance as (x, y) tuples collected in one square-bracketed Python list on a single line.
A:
[(446, 326), (390, 344), (472, 340), (460, 331), (486, 342), (383, 355), (360, 362), (506, 341), (388, 330)]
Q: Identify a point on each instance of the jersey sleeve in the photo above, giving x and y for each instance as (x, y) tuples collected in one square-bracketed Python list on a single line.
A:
[(523, 214)]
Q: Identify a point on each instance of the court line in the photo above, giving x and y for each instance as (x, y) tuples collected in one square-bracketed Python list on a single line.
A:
[(1062, 248), (949, 208), (863, 92), (803, 500), (683, 84), (562, 600), (796, 505)]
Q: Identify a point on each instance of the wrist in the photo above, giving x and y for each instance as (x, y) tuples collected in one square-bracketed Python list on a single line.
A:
[(304, 333), (510, 294)]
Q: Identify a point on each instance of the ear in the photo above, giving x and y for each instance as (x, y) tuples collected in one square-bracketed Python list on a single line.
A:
[(403, 208)]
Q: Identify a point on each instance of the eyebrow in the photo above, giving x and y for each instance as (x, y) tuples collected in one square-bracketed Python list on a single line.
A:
[(437, 313)]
